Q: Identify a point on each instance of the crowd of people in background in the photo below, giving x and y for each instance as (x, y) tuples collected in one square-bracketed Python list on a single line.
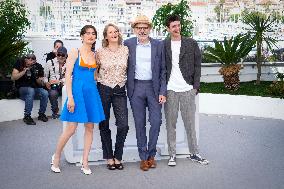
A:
[(154, 73)]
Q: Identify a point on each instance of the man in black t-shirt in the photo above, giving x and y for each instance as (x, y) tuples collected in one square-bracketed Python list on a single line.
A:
[(28, 76), (57, 43)]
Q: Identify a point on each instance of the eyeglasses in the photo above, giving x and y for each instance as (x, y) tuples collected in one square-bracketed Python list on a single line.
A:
[(142, 28), (62, 55)]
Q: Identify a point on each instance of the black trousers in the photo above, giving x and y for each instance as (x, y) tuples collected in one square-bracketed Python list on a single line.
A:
[(115, 97)]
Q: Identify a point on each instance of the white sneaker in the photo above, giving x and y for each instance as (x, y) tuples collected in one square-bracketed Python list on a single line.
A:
[(172, 161)]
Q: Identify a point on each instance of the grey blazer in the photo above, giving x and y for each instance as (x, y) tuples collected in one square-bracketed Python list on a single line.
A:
[(157, 64), (189, 60)]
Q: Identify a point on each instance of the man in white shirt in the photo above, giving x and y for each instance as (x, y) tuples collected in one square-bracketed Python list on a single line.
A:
[(54, 72), (183, 63)]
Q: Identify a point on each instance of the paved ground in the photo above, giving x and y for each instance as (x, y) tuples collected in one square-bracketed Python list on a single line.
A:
[(244, 152)]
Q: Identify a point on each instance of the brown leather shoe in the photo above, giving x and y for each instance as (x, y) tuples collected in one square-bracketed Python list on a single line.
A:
[(144, 165), (152, 162)]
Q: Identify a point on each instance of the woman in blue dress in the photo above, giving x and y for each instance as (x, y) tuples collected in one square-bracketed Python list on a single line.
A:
[(83, 104)]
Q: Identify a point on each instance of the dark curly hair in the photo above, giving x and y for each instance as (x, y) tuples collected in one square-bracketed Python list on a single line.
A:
[(171, 18)]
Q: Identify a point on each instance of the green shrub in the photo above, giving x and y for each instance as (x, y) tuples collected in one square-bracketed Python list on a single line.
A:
[(181, 9), (13, 24), (246, 88), (277, 87)]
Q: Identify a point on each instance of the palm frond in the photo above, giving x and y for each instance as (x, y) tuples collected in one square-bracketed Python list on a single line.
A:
[(230, 51)]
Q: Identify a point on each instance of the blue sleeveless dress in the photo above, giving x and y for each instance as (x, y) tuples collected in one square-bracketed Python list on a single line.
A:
[(88, 105)]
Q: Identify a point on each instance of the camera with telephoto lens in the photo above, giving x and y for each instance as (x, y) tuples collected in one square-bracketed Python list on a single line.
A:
[(33, 71)]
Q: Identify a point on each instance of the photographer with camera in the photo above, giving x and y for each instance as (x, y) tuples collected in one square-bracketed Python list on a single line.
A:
[(28, 77), (54, 75), (51, 55)]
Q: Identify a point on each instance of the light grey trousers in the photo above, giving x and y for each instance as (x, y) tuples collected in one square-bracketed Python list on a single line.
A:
[(185, 102)]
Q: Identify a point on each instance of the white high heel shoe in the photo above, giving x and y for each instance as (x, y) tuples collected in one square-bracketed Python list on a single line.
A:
[(85, 171), (54, 169)]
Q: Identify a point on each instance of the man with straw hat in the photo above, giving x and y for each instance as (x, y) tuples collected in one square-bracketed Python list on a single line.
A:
[(146, 87)]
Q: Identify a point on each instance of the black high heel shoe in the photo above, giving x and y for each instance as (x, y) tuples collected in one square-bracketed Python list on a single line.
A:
[(119, 166), (111, 166)]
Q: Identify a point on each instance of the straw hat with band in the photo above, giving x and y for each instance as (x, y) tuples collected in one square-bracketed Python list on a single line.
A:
[(141, 19)]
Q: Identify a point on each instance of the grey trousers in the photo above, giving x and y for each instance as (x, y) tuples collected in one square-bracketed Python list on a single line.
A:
[(185, 102)]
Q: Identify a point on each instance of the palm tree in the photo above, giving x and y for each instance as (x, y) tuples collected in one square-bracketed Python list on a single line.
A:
[(259, 26), (229, 53)]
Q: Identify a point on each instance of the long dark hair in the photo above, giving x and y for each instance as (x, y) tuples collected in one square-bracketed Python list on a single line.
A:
[(93, 48), (84, 30)]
